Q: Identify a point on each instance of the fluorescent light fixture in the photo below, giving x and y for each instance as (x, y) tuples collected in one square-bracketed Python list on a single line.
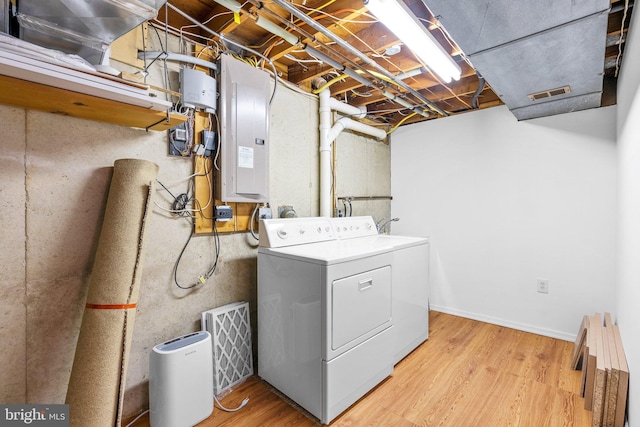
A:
[(397, 17)]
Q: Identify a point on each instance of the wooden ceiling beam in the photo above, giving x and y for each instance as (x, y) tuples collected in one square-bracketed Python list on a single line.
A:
[(331, 7), (379, 41), (447, 101), (397, 64), (393, 117), (220, 19), (372, 39), (435, 93), (425, 83)]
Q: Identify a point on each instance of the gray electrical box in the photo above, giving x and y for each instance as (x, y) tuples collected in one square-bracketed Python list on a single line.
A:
[(198, 90), (244, 129), (4, 18)]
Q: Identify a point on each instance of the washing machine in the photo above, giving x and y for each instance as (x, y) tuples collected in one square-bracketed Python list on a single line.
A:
[(326, 322), (410, 284)]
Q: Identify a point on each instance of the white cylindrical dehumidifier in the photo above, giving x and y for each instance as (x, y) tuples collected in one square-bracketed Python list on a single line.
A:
[(181, 381)]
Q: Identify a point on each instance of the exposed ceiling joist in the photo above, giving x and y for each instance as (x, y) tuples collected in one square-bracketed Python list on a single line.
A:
[(349, 20)]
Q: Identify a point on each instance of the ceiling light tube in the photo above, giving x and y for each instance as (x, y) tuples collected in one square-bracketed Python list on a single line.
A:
[(397, 17), (277, 30), (232, 5)]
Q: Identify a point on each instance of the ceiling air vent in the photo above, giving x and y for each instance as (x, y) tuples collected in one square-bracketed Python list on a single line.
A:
[(549, 93)]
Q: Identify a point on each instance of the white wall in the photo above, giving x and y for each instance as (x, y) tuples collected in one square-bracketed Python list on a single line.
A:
[(628, 290), (506, 203)]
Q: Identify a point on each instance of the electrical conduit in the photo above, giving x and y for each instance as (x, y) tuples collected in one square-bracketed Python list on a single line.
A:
[(340, 42), (176, 57), (383, 74)]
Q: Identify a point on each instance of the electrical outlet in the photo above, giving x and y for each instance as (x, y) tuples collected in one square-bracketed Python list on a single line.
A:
[(543, 286), (264, 213)]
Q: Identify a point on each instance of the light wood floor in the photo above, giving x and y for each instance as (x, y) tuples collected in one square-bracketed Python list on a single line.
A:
[(468, 374)]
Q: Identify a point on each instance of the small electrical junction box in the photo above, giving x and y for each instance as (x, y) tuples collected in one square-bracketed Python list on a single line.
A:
[(224, 213)]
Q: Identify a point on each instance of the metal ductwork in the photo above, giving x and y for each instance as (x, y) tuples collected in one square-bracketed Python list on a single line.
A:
[(81, 27), (525, 48)]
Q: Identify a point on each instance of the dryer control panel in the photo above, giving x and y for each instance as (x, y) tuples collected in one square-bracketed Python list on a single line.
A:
[(281, 232)]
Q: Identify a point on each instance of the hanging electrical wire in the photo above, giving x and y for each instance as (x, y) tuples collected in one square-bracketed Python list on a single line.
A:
[(400, 123), (333, 14), (203, 278), (180, 208), (476, 94), (398, 68), (361, 94), (302, 61), (252, 221), (379, 80), (624, 18), (233, 42)]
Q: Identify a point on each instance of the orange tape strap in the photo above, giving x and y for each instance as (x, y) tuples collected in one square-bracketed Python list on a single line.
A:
[(111, 306)]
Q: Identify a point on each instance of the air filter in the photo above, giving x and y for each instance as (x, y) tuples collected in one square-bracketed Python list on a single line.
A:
[(231, 340)]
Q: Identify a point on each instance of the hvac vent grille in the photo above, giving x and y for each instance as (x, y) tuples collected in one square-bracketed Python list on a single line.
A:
[(231, 340), (549, 93)]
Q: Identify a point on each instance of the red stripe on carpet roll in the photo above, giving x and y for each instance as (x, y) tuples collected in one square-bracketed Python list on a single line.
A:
[(111, 306)]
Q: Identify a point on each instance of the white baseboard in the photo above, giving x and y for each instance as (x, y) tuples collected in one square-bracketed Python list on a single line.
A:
[(506, 323)]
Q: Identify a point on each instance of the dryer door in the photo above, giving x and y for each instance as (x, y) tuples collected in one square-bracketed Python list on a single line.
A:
[(360, 304)]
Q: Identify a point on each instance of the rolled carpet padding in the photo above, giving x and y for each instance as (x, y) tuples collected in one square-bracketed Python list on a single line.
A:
[(98, 376)]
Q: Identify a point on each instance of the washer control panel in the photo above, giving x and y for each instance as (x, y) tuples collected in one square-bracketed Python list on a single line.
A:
[(281, 232), (353, 226)]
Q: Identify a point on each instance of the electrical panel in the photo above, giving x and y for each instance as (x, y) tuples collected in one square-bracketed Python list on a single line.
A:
[(244, 126)]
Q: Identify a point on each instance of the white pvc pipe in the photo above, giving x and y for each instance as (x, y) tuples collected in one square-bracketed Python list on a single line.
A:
[(325, 153), (347, 109), (328, 134), (347, 123)]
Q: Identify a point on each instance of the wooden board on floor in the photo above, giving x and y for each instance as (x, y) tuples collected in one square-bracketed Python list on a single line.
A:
[(585, 357), (614, 375), (600, 384), (623, 379), (612, 382), (578, 346), (585, 368), (605, 372), (591, 362)]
